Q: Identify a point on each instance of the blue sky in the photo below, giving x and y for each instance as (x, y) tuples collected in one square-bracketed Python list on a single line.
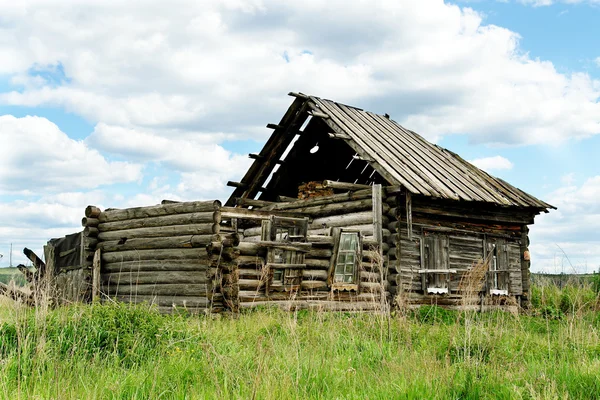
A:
[(95, 111)]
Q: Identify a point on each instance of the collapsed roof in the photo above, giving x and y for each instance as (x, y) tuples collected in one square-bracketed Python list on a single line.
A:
[(385, 152)]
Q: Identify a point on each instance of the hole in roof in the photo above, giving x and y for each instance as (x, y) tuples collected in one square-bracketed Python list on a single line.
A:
[(314, 149), (305, 123)]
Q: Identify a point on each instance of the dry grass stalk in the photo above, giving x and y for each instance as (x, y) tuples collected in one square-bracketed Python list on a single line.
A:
[(472, 282)]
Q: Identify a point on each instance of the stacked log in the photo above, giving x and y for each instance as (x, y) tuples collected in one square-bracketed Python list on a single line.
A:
[(223, 271), (348, 211), (158, 254), (252, 272), (313, 189), (90, 234)]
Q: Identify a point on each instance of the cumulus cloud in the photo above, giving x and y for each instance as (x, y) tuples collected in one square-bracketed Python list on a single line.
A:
[(492, 163), (36, 156), (181, 151), (31, 223), (566, 240), (542, 3), (225, 67)]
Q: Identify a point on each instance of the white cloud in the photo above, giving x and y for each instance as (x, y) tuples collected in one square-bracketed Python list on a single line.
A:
[(36, 156), (166, 85), (181, 151), (568, 179), (225, 67), (597, 61), (492, 163), (542, 3), (31, 223), (537, 3), (567, 240)]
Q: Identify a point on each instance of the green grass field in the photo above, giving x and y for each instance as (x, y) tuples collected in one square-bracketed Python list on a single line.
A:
[(123, 352)]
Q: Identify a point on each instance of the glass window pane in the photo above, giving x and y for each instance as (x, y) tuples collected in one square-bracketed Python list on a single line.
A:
[(344, 242), (348, 269), (346, 260)]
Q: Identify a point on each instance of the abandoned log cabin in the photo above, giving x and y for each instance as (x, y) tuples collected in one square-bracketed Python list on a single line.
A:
[(342, 209)]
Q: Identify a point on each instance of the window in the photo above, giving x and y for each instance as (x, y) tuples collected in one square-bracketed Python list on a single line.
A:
[(285, 257), (435, 261), (497, 256), (345, 263)]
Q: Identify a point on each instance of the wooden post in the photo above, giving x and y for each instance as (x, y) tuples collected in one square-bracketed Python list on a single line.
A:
[(377, 216), (96, 264), (409, 214)]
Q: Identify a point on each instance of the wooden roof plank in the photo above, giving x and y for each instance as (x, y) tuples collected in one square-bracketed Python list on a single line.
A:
[(464, 188), (469, 172), (359, 149), (399, 155), (354, 131), (371, 124), (466, 176)]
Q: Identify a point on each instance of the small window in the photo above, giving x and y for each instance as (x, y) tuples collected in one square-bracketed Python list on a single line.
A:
[(276, 232), (498, 269), (435, 262), (345, 261)]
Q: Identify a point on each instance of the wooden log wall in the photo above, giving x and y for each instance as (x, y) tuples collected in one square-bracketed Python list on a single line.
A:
[(341, 211), (468, 229), (158, 254), (73, 284)]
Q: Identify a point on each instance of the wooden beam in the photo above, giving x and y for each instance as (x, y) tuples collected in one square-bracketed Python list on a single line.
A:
[(237, 184), (92, 211), (292, 203), (25, 271), (158, 210), (275, 152), (298, 95), (274, 126), (252, 202), (273, 148), (285, 266), (344, 185), (409, 214), (96, 264), (301, 247), (166, 201), (377, 216), (242, 213), (37, 262), (255, 156), (286, 198), (339, 136), (318, 114)]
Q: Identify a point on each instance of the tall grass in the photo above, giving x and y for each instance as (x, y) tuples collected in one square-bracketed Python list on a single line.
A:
[(120, 351)]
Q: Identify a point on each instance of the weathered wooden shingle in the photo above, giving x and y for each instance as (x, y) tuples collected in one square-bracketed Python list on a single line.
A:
[(420, 166), (399, 155)]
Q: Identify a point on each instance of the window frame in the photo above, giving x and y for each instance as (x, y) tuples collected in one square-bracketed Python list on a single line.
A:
[(284, 230), (432, 272), (498, 264), (354, 285)]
